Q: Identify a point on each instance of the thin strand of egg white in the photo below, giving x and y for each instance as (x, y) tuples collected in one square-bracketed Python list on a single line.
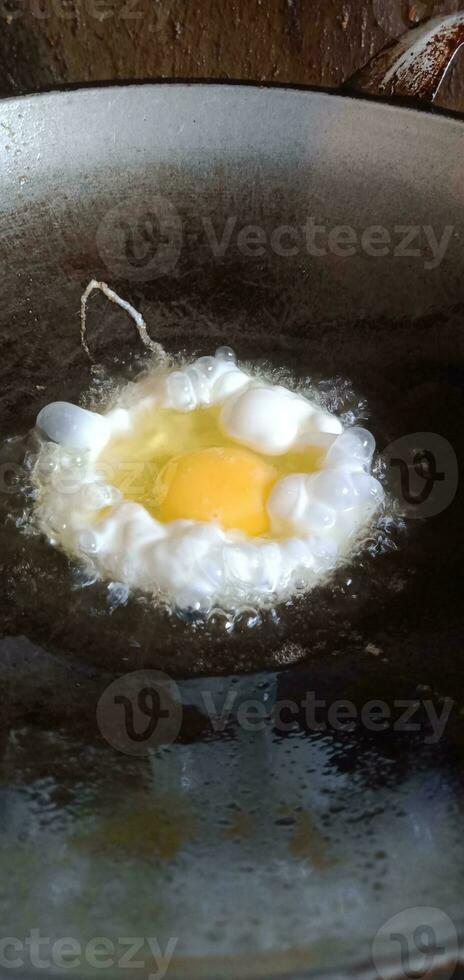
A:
[(136, 316)]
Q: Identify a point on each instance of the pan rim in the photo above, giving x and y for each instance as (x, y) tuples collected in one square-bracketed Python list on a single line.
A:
[(388, 106)]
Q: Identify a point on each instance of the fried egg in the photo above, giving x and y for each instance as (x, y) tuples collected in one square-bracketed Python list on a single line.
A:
[(205, 485)]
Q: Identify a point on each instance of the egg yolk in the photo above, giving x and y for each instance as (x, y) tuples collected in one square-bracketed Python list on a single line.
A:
[(181, 465), (226, 485)]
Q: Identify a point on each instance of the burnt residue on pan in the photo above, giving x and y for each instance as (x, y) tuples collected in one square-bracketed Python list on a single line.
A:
[(415, 66)]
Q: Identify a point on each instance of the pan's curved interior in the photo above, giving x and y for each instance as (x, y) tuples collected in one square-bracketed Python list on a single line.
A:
[(191, 200)]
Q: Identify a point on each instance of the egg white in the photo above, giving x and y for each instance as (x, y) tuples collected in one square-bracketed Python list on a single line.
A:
[(314, 517)]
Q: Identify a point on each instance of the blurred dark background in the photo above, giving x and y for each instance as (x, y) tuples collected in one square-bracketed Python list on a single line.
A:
[(46, 43)]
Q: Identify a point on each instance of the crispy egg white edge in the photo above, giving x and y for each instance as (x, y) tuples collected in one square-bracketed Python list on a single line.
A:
[(314, 517)]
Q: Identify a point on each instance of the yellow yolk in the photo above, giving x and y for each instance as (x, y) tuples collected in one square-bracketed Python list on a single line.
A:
[(181, 465), (226, 485)]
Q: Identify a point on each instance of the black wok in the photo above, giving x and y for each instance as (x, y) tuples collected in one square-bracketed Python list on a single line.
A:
[(277, 850)]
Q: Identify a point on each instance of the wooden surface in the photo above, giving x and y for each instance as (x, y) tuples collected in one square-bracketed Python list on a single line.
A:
[(47, 43)]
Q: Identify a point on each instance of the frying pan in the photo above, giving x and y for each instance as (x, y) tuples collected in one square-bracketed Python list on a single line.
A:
[(279, 848)]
